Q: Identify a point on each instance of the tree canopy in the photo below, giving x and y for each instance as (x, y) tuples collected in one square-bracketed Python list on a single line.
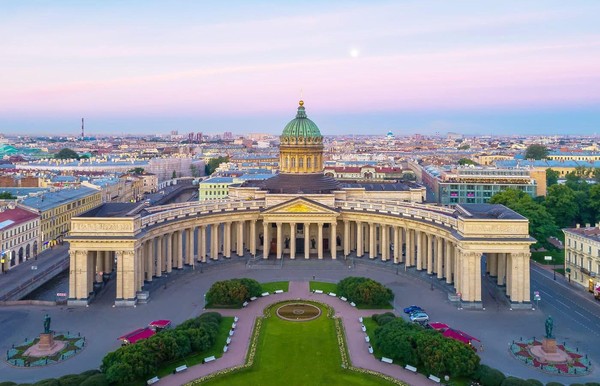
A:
[(466, 161), (66, 153), (365, 291), (214, 163), (536, 151), (551, 177), (7, 196), (136, 170)]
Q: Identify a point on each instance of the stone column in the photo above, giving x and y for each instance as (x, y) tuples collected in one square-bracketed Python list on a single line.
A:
[(385, 243), (191, 245), (227, 240), (320, 240), (292, 240), (202, 243), (346, 237), (448, 261), (501, 261), (279, 240), (253, 237), (457, 269), (410, 247), (126, 267), (149, 259), (492, 264), (306, 240), (429, 244), (372, 247), (397, 246), (359, 239), (240, 238), (99, 259), (169, 256), (214, 241), (266, 241), (419, 237), (179, 249), (80, 284), (353, 236), (333, 239), (160, 265), (439, 257)]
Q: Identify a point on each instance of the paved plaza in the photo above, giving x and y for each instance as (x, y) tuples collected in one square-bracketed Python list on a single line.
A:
[(179, 296)]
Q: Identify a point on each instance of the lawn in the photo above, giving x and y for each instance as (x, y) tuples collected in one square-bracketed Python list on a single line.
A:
[(323, 286), (194, 359), (297, 354), (272, 286)]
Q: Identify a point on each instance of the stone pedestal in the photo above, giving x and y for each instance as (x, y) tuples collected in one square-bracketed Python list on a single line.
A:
[(549, 346), (46, 342)]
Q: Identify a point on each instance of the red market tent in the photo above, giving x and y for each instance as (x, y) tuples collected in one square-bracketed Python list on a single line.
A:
[(137, 335)]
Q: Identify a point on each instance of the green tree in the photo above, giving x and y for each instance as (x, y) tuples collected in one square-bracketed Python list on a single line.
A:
[(174, 175), (7, 196), (551, 177), (560, 202), (536, 151), (136, 170), (466, 161), (214, 163), (66, 153), (365, 291), (232, 292), (464, 146), (596, 175)]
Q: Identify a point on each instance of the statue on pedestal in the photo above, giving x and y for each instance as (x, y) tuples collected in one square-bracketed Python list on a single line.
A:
[(549, 326), (47, 321)]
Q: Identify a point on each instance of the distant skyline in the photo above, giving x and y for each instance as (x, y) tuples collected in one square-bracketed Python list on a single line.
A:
[(149, 67)]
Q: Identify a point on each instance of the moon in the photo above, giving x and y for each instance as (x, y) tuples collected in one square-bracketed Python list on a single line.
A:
[(354, 52)]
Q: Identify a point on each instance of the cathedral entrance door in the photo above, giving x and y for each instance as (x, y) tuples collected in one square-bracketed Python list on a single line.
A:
[(299, 245)]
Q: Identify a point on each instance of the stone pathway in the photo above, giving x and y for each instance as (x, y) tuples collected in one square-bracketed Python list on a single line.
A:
[(357, 347)]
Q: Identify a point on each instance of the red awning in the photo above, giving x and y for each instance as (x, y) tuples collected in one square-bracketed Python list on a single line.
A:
[(439, 326), (162, 323), (459, 335), (139, 334)]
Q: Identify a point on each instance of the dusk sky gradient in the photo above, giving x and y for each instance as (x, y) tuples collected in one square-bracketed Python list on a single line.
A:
[(144, 67)]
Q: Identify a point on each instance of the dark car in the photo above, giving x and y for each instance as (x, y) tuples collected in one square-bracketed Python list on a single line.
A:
[(411, 309)]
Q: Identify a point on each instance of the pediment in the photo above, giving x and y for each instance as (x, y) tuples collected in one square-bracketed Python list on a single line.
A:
[(301, 206)]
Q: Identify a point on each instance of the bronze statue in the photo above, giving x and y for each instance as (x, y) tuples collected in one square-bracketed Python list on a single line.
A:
[(47, 321), (549, 326)]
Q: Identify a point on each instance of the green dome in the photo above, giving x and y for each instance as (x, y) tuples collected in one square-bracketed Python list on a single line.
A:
[(301, 126)]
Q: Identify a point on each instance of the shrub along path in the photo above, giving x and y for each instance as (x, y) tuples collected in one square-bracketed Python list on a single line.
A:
[(357, 347)]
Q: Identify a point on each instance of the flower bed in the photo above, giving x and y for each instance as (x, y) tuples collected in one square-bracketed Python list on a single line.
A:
[(16, 355), (578, 364)]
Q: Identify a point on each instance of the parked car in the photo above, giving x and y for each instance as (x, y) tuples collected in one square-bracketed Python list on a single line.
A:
[(413, 308), (419, 317)]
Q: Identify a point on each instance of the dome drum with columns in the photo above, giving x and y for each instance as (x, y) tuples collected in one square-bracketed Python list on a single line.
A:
[(302, 214)]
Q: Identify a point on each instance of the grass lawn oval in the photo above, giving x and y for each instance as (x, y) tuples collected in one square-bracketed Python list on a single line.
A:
[(297, 354)]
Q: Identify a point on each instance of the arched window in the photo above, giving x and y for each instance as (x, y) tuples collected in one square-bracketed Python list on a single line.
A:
[(293, 162), (286, 162), (301, 162), (308, 162)]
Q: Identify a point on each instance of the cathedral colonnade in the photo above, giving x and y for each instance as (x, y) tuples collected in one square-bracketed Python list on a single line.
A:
[(137, 250)]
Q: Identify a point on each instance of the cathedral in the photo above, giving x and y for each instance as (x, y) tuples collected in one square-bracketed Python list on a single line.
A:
[(301, 213)]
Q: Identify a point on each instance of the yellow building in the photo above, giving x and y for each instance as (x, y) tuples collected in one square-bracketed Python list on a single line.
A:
[(582, 254), (57, 208), (214, 188)]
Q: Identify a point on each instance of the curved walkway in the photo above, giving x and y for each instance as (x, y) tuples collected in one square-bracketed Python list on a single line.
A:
[(357, 347)]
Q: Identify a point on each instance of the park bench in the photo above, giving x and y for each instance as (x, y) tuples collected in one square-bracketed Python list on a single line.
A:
[(231, 332), (180, 369), (387, 360), (244, 304), (209, 359), (411, 368), (278, 291), (235, 319), (264, 294), (332, 294), (233, 326), (253, 298), (434, 378), (367, 339), (228, 340), (370, 349), (343, 299), (318, 291), (225, 348), (360, 319), (364, 329), (152, 381), (353, 304)]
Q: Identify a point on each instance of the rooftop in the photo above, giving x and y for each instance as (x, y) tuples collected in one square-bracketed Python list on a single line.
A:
[(14, 217), (487, 211), (53, 199), (116, 209)]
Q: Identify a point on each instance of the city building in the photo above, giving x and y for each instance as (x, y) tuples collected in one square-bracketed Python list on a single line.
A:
[(19, 236), (302, 213), (477, 185), (214, 188), (582, 254), (57, 208)]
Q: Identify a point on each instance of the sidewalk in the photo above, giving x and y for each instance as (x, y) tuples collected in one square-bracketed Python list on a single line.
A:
[(357, 347), (23, 273)]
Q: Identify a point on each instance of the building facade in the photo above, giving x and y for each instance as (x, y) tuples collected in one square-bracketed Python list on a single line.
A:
[(19, 236), (301, 213), (582, 254)]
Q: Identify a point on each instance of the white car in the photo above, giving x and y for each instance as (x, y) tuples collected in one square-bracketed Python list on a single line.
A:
[(419, 317)]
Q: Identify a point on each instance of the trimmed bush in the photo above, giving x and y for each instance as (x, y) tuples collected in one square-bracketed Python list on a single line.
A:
[(89, 373), (535, 382), (489, 376), (365, 291), (554, 384), (514, 381), (72, 379), (95, 380), (48, 382), (232, 292), (7, 383)]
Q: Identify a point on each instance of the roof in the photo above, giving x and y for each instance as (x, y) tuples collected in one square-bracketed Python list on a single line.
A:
[(162, 323), (459, 335), (285, 183), (487, 211), (217, 180), (592, 233), (301, 127), (115, 209), (383, 186), (53, 199), (16, 216)]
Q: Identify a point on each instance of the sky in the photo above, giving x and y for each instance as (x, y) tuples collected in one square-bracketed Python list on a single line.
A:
[(149, 67)]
